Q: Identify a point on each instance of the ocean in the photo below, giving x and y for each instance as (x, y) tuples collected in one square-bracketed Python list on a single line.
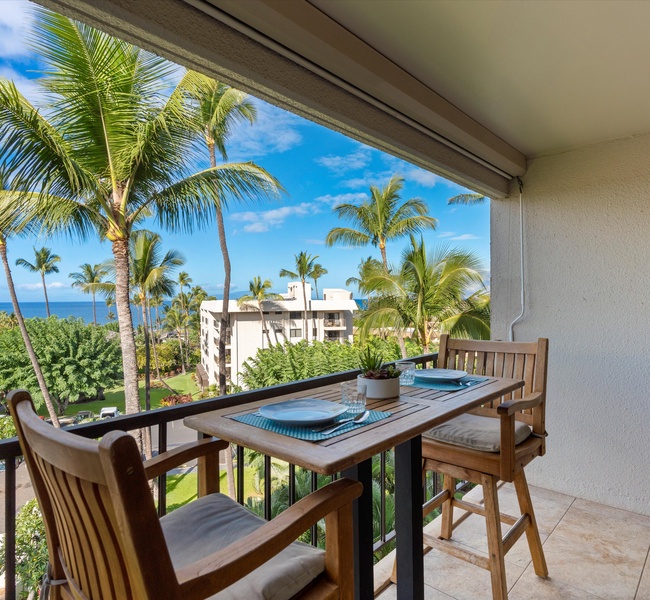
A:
[(61, 310)]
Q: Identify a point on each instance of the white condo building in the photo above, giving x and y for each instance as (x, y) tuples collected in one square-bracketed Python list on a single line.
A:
[(328, 319)]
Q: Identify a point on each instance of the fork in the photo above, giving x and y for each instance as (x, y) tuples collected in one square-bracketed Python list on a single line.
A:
[(358, 419), (341, 422)]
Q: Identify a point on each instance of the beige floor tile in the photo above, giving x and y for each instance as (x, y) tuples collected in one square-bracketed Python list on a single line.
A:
[(615, 513), (596, 568), (531, 587), (556, 497), (462, 580), (429, 594), (611, 533), (643, 593)]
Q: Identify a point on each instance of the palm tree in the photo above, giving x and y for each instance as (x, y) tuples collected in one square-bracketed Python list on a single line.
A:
[(428, 293), (218, 108), (467, 199), (304, 268), (316, 273), (114, 148), (13, 222), (381, 218), (184, 280), (366, 267), (44, 263), (90, 281), (176, 321), (150, 274), (259, 293)]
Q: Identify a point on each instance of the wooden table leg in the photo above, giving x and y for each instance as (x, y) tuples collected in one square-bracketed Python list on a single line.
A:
[(408, 520), (363, 535)]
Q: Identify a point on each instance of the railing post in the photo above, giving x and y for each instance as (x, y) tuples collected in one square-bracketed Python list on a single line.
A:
[(10, 528)]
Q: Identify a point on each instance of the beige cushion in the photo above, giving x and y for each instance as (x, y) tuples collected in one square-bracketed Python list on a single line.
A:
[(214, 522), (476, 432)]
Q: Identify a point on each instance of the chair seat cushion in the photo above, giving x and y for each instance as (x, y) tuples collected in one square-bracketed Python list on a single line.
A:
[(476, 432), (214, 522)]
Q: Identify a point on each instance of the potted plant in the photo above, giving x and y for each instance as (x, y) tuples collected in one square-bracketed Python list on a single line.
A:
[(382, 381)]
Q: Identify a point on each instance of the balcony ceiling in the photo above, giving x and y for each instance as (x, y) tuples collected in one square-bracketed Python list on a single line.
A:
[(543, 76)]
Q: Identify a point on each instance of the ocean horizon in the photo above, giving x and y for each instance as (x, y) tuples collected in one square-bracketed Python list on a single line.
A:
[(63, 310), (83, 310)]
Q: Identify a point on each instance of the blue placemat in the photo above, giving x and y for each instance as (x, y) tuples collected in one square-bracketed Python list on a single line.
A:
[(449, 386), (306, 433)]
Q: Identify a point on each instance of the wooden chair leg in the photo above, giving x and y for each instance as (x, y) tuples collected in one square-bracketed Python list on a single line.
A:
[(447, 518), (532, 532), (494, 538)]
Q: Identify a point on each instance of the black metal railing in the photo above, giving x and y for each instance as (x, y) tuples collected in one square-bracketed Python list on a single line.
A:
[(162, 417)]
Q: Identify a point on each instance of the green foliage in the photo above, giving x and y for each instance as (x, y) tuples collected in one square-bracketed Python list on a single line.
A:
[(290, 362), (76, 359), (7, 428), (169, 358), (31, 548)]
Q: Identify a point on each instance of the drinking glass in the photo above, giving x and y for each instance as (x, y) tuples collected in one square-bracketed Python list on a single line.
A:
[(408, 372), (353, 395)]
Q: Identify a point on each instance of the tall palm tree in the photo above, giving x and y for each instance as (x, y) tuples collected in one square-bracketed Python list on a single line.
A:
[(44, 263), (381, 218), (430, 293), (111, 148), (316, 273), (90, 280), (304, 267), (150, 274), (176, 321), (259, 293), (184, 280), (366, 267), (13, 222), (218, 109)]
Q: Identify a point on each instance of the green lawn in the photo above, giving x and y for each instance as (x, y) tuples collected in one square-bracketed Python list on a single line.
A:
[(183, 384), (182, 488)]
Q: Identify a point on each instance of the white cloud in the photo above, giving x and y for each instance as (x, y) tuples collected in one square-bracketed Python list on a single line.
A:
[(315, 242), (15, 21), (259, 222), (51, 285), (464, 237), (446, 234), (274, 131), (422, 177), (27, 87), (354, 161), (349, 198)]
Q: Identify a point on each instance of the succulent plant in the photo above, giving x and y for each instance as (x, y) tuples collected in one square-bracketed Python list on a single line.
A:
[(372, 366)]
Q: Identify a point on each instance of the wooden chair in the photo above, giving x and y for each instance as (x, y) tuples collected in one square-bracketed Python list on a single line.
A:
[(493, 443), (106, 542)]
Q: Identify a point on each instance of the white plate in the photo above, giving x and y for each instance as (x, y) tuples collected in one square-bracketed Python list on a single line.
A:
[(440, 374), (307, 411)]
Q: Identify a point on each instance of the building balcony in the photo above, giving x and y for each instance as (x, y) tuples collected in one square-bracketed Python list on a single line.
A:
[(334, 324)]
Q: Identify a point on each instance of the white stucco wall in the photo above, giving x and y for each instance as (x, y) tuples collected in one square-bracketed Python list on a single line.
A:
[(587, 248)]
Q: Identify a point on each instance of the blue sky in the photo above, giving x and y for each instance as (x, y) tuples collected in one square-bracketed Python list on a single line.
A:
[(318, 167)]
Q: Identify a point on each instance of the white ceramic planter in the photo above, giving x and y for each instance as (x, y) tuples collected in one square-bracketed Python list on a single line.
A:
[(381, 388)]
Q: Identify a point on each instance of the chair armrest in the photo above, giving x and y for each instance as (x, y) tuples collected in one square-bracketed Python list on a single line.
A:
[(512, 406), (217, 571), (158, 465)]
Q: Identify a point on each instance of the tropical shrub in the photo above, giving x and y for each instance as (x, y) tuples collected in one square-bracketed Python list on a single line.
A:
[(7, 428), (77, 360), (169, 358), (174, 399), (31, 548)]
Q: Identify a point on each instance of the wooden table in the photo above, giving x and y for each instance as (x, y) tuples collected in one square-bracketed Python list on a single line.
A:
[(414, 412)]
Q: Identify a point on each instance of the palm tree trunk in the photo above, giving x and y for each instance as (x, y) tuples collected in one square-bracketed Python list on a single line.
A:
[(125, 321), (316, 287), (304, 299), (23, 330), (400, 341), (225, 316), (47, 303), (147, 358), (382, 249), (179, 331), (94, 311), (264, 328)]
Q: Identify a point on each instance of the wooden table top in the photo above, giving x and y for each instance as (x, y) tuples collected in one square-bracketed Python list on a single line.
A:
[(414, 412)]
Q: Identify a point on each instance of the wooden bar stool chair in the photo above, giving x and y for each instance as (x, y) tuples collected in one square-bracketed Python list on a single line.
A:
[(492, 443), (106, 542)]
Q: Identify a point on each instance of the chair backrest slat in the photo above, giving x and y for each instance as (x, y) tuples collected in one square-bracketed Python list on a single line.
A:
[(516, 360), (91, 521)]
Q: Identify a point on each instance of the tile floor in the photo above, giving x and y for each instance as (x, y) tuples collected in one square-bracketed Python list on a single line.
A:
[(592, 551)]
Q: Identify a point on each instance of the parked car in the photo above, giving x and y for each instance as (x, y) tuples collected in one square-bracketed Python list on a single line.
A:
[(109, 412)]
